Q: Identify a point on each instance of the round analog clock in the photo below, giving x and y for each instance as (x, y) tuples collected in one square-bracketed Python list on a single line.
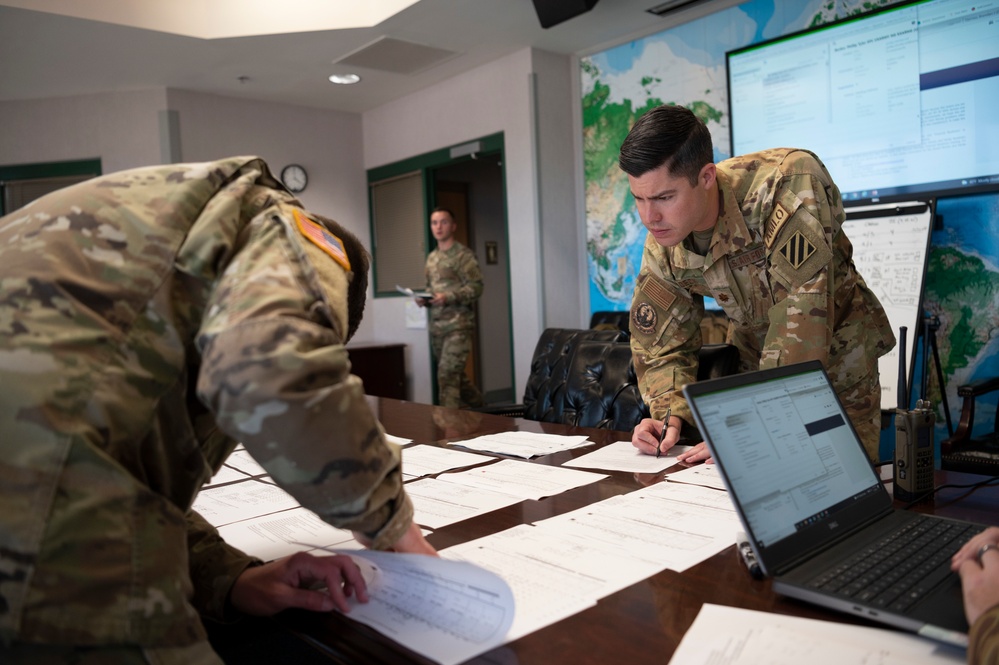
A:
[(294, 178)]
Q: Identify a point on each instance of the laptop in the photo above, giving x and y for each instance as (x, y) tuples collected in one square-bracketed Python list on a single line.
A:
[(814, 508)]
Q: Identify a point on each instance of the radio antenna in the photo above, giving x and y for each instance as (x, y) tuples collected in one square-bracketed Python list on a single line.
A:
[(903, 388)]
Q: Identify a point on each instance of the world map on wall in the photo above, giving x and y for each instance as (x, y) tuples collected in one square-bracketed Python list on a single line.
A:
[(962, 292), (684, 65)]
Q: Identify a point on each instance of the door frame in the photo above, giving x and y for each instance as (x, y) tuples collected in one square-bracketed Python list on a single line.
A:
[(427, 164)]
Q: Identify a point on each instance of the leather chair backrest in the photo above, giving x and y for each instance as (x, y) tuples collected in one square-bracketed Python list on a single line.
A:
[(715, 360), (602, 389), (608, 320), (543, 394)]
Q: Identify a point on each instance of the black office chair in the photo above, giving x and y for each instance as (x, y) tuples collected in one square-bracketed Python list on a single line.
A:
[(549, 368), (602, 388), (608, 320), (964, 452)]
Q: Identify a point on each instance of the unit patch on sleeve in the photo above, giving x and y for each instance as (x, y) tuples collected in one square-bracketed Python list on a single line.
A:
[(644, 316), (796, 250), (319, 236)]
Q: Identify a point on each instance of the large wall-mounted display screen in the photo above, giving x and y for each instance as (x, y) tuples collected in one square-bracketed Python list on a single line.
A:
[(897, 103)]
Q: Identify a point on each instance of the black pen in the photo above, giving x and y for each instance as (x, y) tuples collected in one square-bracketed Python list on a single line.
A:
[(662, 433), (748, 556)]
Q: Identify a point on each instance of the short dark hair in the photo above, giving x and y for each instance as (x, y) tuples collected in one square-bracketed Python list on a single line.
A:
[(360, 261), (443, 209), (670, 136)]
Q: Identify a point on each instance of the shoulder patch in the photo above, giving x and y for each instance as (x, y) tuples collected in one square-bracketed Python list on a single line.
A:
[(796, 250), (319, 236), (778, 218), (659, 293)]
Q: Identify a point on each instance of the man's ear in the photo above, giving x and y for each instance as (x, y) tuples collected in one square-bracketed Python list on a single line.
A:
[(706, 178)]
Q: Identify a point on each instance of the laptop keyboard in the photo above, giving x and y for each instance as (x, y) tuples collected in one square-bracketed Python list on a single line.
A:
[(902, 567)]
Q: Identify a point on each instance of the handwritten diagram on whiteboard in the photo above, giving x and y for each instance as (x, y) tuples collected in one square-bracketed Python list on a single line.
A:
[(890, 245)]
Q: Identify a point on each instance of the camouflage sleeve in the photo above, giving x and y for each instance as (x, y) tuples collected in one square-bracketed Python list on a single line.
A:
[(214, 565), (983, 639), (665, 338), (471, 281), (277, 377), (799, 242)]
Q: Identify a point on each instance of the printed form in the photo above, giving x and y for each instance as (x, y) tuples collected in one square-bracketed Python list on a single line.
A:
[(730, 636)]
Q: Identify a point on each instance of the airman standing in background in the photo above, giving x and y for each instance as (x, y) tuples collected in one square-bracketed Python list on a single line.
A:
[(454, 279)]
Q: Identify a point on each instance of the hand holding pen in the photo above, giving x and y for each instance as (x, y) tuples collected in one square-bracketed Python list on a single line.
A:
[(662, 432)]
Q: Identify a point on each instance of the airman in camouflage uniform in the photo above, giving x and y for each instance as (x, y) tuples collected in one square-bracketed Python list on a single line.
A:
[(149, 320), (454, 279), (761, 234)]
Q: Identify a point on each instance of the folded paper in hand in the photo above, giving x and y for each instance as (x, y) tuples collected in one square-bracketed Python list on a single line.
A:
[(448, 611), (426, 295)]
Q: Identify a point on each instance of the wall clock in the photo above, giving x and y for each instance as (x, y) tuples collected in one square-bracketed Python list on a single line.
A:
[(294, 178)]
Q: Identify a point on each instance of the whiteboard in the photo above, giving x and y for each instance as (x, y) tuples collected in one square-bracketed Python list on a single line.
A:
[(890, 247)]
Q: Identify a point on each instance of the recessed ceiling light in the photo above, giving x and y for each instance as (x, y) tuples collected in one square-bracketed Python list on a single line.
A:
[(345, 79)]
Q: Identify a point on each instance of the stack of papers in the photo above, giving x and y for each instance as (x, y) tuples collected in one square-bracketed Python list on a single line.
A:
[(729, 636), (565, 564), (524, 444), (622, 456), (423, 460), (453, 497)]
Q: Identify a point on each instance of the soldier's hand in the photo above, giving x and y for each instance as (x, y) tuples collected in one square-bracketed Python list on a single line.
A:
[(439, 300), (647, 434), (294, 581), (411, 541), (698, 453)]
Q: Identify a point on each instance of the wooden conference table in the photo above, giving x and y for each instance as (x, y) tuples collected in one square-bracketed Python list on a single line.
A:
[(643, 623)]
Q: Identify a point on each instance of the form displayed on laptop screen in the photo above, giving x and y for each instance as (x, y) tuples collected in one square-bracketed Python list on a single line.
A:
[(793, 452)]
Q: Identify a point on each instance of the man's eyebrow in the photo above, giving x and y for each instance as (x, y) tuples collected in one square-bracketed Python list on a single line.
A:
[(659, 194)]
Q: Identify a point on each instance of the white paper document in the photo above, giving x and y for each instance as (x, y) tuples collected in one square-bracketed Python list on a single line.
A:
[(622, 456), (226, 474), (448, 611), (243, 461), (523, 480), (705, 475), (672, 525), (240, 501), (424, 460), (524, 444), (281, 534), (398, 440), (546, 587), (729, 636), (414, 294), (437, 503)]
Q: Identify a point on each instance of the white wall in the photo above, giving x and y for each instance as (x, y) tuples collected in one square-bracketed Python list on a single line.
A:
[(523, 95), (120, 128), (497, 97), (327, 143)]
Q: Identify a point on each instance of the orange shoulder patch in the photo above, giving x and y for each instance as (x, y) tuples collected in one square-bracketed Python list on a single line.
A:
[(319, 236)]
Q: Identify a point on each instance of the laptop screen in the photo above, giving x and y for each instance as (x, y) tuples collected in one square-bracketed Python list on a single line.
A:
[(786, 448)]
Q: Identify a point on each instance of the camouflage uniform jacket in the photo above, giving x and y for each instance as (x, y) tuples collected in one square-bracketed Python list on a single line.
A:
[(983, 647), (150, 319), (455, 273), (780, 266)]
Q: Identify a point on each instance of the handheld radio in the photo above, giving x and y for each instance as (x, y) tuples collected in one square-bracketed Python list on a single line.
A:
[(913, 468)]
